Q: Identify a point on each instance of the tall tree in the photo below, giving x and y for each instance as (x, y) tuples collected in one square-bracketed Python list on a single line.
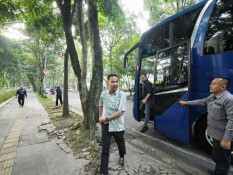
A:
[(88, 97), (11, 62)]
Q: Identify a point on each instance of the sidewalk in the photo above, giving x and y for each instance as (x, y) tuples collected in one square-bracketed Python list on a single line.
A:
[(24, 150)]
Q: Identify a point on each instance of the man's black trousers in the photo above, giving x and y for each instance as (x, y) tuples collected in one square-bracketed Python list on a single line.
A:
[(106, 139), (21, 101), (60, 99), (222, 158)]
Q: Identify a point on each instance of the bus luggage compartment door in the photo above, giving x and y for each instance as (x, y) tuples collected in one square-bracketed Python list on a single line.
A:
[(171, 118)]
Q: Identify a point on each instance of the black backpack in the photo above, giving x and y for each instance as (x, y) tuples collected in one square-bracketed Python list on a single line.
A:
[(21, 93)]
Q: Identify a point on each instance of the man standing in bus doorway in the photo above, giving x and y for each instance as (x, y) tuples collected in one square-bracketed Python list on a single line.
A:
[(219, 123), (147, 100), (112, 106), (21, 93)]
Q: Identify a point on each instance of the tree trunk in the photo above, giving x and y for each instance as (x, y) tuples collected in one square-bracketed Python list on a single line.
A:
[(82, 38), (89, 100), (97, 70), (65, 87), (31, 79), (65, 8)]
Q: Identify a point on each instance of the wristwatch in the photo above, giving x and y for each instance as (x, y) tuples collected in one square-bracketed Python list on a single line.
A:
[(107, 119)]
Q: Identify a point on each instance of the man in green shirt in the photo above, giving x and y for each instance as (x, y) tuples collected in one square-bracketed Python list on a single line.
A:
[(112, 106)]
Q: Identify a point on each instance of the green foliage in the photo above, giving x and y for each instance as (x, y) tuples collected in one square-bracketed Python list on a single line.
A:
[(6, 94), (8, 12), (117, 40), (11, 72), (111, 10), (161, 9), (83, 136), (41, 19), (44, 100), (83, 140)]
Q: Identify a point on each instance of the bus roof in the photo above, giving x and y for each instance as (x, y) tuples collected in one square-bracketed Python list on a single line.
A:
[(174, 17)]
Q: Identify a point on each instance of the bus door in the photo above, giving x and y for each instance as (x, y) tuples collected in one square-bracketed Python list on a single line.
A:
[(147, 68), (171, 84)]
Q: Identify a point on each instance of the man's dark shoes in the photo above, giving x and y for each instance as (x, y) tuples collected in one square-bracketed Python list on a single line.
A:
[(144, 129), (121, 161), (211, 172)]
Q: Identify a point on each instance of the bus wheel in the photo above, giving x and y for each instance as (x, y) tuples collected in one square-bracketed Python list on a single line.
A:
[(204, 140)]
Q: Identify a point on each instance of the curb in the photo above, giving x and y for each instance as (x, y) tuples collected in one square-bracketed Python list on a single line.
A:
[(187, 156), (5, 102), (76, 111)]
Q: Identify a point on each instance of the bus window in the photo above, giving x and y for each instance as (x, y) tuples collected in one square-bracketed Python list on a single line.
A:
[(147, 67), (219, 34), (183, 26), (170, 34), (171, 69)]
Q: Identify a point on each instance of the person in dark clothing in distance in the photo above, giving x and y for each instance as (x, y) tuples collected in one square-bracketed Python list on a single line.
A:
[(21, 93), (219, 123), (147, 92), (58, 95)]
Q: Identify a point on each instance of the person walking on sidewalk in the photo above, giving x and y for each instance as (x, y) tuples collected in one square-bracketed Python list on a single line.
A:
[(21, 93), (58, 95), (147, 100), (219, 122), (112, 105)]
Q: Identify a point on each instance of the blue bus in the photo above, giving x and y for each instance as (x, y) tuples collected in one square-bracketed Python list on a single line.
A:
[(181, 55)]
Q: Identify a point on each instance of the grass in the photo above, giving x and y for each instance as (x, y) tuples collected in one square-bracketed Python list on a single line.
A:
[(83, 140), (48, 102), (44, 100), (83, 136), (6, 94)]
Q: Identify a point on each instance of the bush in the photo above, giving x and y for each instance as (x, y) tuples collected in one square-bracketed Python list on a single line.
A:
[(6, 94)]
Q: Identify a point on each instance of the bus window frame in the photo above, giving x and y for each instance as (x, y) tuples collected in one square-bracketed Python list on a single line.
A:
[(187, 42)]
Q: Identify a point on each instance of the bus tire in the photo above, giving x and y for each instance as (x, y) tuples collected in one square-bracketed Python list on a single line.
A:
[(200, 133), (202, 137)]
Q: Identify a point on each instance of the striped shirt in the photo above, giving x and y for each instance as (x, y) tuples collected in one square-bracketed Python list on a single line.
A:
[(113, 102)]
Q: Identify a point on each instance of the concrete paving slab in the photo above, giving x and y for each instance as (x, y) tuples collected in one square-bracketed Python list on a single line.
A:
[(34, 138), (44, 159), (28, 161), (5, 125)]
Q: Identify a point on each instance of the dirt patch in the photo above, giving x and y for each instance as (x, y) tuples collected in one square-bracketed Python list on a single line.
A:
[(70, 131)]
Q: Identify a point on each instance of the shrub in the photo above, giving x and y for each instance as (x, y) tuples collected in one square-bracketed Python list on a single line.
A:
[(6, 94)]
